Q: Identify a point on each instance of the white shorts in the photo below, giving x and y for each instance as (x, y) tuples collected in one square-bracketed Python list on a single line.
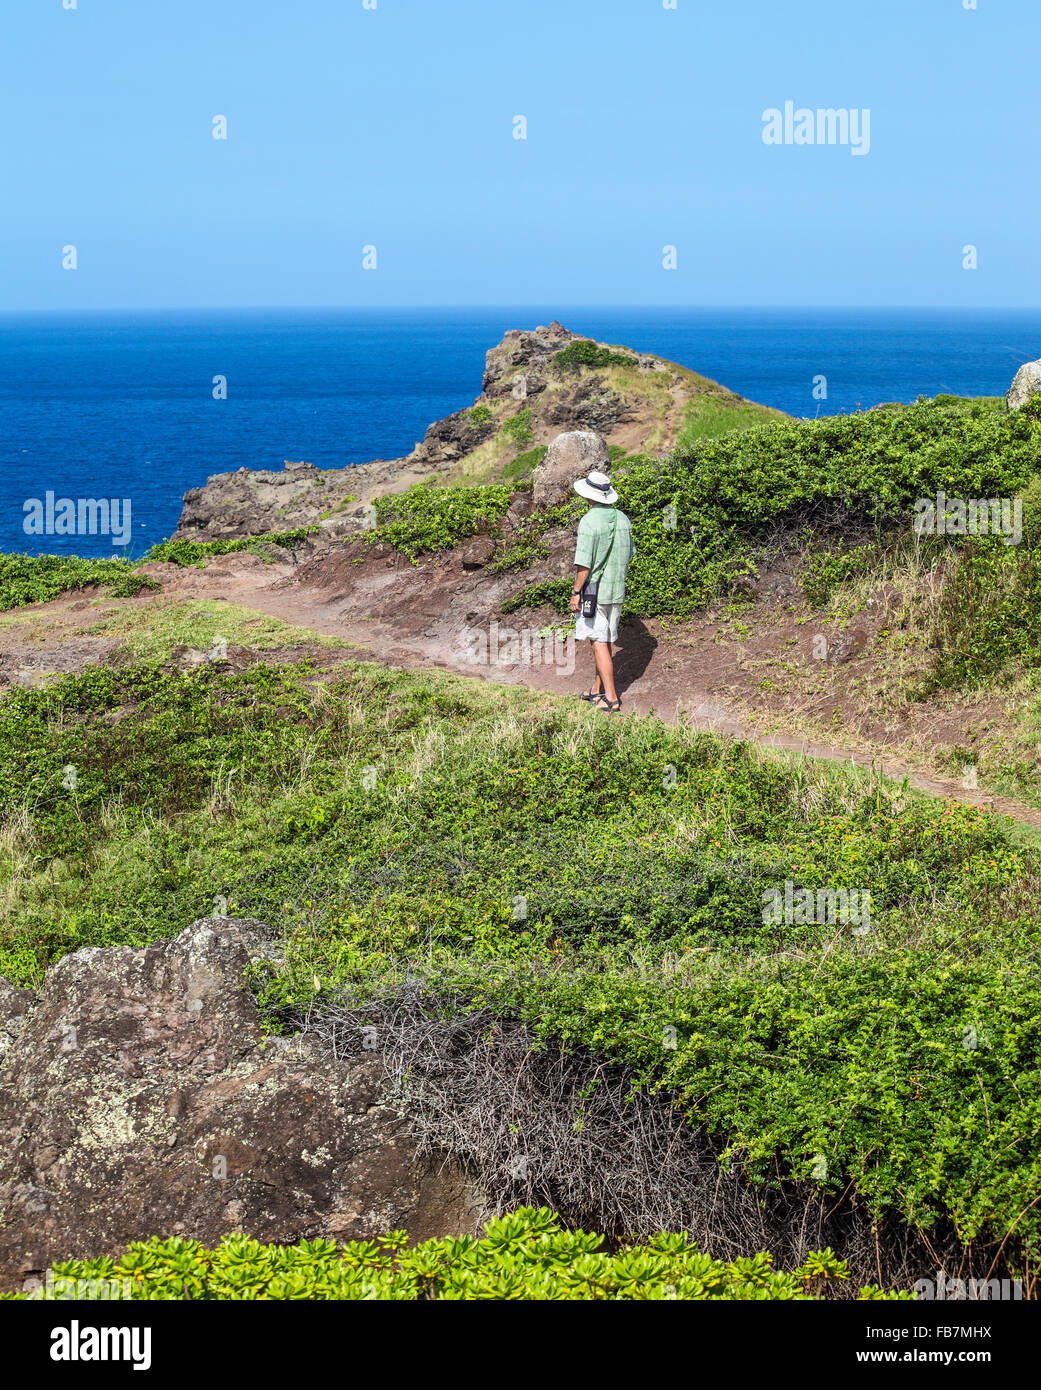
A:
[(602, 627)]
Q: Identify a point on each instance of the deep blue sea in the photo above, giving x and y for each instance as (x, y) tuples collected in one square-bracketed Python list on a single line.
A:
[(120, 405)]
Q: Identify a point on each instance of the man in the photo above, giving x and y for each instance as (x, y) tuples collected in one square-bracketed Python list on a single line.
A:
[(603, 551)]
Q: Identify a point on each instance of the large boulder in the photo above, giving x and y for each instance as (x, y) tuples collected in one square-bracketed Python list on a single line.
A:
[(1027, 383), (570, 456), (140, 1096)]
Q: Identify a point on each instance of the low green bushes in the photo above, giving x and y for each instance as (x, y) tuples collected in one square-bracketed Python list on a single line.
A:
[(699, 516), (824, 570), (553, 593), (519, 556), (429, 519), (185, 552), (523, 1256), (517, 429), (584, 352), (28, 579), (518, 472)]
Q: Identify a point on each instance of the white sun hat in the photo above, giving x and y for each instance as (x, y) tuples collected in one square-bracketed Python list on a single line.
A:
[(596, 488)]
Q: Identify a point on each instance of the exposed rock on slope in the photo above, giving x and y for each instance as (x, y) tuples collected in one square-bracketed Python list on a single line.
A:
[(530, 394), (570, 456), (139, 1096), (1027, 383), (522, 350), (255, 501)]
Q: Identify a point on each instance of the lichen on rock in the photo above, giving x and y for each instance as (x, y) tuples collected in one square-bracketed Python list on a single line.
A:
[(139, 1094)]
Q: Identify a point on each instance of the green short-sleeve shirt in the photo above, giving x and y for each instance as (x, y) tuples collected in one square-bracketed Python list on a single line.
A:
[(594, 537)]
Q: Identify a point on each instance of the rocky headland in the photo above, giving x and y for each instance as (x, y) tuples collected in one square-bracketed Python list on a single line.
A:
[(537, 385)]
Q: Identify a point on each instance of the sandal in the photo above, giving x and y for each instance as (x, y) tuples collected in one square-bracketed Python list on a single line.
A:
[(609, 706), (591, 696)]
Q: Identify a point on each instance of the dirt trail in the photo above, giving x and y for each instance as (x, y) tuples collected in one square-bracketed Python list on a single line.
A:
[(652, 678), (414, 619)]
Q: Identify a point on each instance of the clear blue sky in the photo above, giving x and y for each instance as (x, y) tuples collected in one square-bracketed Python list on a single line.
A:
[(394, 127)]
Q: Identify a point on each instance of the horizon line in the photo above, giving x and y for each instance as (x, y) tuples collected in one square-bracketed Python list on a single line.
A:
[(541, 307)]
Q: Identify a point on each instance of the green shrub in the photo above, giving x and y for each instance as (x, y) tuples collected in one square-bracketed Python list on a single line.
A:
[(519, 556), (554, 593), (28, 579), (699, 516), (988, 615), (583, 352), (525, 1255), (481, 415), (987, 621), (428, 518), (185, 552), (517, 429)]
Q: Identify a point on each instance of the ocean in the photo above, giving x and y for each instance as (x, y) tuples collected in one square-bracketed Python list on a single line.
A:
[(121, 405)]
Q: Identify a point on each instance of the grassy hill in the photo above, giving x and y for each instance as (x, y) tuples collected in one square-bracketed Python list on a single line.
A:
[(608, 887)]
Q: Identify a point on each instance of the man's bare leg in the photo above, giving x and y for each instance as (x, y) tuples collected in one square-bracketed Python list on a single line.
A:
[(605, 669), (596, 688)]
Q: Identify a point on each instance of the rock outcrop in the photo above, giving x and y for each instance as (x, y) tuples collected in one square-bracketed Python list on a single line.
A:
[(254, 501), (139, 1096), (516, 367), (1027, 383), (571, 455)]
